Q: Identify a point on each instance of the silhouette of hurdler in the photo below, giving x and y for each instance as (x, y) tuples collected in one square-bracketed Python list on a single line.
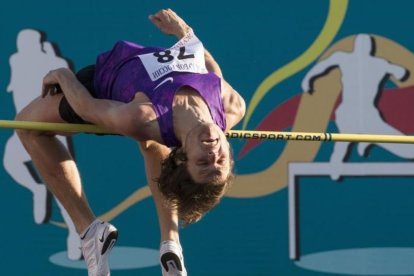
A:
[(363, 76)]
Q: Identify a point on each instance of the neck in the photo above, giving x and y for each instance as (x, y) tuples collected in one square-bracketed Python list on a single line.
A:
[(189, 111)]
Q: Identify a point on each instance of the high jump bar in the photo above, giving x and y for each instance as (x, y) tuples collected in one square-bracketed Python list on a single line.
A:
[(241, 134)]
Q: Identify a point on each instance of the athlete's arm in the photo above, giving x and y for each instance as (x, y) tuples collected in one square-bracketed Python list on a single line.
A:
[(171, 24), (154, 153), (234, 105), (114, 116), (168, 22)]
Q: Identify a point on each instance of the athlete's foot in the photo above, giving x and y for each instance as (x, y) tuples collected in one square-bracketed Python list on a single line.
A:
[(172, 260), (41, 198), (97, 242)]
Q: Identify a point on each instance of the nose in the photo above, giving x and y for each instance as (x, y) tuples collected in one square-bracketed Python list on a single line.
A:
[(212, 156)]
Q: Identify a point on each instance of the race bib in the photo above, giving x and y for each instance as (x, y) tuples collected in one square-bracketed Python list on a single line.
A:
[(187, 55)]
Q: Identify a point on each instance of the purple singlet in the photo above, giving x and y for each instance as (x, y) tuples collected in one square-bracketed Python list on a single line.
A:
[(120, 74)]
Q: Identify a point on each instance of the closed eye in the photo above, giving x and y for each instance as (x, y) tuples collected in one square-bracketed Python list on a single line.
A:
[(202, 162), (221, 161)]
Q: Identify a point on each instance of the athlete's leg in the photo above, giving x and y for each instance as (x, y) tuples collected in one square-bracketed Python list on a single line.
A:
[(60, 173), (53, 160)]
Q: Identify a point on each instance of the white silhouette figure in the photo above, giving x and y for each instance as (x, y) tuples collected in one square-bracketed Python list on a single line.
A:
[(29, 65), (363, 75)]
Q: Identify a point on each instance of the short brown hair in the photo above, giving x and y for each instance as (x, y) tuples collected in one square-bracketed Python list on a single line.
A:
[(191, 199)]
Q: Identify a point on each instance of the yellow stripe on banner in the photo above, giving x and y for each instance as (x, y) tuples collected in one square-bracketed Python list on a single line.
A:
[(336, 15), (241, 134)]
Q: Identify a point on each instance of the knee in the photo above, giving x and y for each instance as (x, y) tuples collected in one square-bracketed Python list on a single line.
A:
[(24, 115), (24, 134), (21, 133), (27, 135)]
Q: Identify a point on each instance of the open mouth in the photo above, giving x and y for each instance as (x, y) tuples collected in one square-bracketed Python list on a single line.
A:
[(210, 141), (209, 135)]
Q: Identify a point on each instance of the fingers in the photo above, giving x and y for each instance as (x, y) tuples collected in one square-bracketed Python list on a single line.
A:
[(168, 22), (164, 15), (46, 87), (49, 89), (45, 90), (155, 20), (50, 84)]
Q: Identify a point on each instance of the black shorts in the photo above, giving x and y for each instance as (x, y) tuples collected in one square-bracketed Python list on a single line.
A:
[(85, 76)]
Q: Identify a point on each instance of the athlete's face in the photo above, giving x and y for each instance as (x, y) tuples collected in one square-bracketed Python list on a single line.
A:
[(208, 154)]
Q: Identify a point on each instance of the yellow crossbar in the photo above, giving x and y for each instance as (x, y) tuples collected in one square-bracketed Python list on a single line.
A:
[(241, 134)]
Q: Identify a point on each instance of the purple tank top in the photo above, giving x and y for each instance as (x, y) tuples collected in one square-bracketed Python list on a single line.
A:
[(120, 74)]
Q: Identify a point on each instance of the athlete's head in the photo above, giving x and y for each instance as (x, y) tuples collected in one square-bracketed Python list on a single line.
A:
[(196, 176)]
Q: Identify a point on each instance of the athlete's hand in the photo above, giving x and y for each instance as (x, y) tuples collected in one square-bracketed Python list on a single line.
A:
[(170, 23), (52, 80)]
